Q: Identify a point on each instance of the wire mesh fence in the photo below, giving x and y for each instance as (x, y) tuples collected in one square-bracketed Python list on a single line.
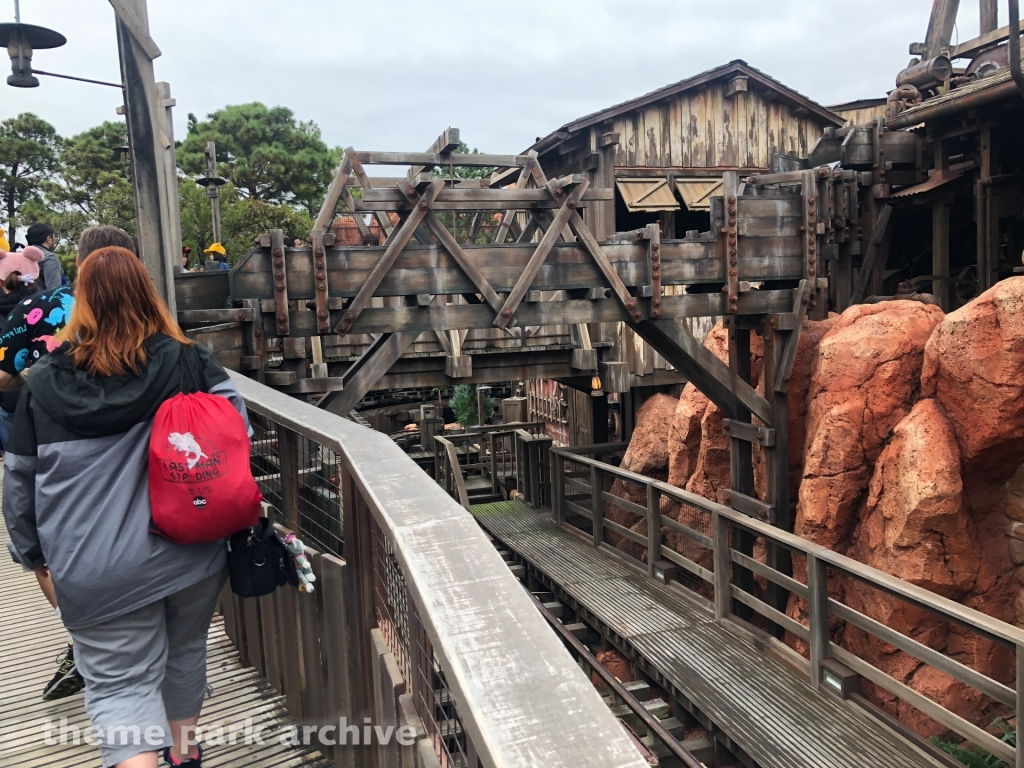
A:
[(407, 640), (301, 480)]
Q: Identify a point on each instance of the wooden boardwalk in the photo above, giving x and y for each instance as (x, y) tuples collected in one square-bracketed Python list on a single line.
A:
[(773, 715), (31, 638)]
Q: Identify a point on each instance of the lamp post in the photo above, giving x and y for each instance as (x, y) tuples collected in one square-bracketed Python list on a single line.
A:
[(213, 183), (147, 112)]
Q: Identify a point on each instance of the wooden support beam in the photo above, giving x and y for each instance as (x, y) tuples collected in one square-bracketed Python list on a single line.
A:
[(280, 272), (139, 28), (652, 233), (474, 228), (334, 192), (877, 246), (387, 260), (752, 433), (444, 145), (692, 359), (544, 247), (446, 239), (432, 159), (741, 466), (940, 252), (587, 239), (383, 220), (776, 463), (365, 372), (971, 48), (988, 16), (940, 27), (788, 357), (323, 315), (521, 183)]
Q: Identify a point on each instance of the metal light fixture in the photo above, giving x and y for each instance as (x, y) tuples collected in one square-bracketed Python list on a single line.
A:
[(21, 40), (595, 386)]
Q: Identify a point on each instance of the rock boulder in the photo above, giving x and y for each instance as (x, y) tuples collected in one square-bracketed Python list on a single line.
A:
[(864, 380), (974, 366)]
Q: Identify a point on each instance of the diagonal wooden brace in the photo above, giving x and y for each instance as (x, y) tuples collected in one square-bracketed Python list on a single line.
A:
[(364, 181), (544, 247), (334, 192), (785, 369), (397, 242), (452, 246), (709, 374), (521, 183), (586, 237), (589, 242)]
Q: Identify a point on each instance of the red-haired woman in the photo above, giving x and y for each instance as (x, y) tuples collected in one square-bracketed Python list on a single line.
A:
[(76, 501)]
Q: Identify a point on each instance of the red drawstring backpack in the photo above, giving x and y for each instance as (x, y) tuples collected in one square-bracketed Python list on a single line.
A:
[(201, 487)]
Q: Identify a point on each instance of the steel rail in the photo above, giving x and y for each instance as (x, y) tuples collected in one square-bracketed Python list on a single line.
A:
[(653, 724)]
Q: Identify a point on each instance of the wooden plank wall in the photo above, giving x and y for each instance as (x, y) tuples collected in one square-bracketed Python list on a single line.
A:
[(703, 128), (861, 116), (296, 640)]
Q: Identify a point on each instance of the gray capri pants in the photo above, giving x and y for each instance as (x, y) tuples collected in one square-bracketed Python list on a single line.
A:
[(147, 667)]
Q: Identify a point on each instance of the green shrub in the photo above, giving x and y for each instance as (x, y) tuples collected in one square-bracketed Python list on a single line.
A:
[(463, 403), (974, 757)]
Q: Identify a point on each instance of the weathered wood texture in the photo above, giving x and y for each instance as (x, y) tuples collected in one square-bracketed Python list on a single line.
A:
[(32, 636), (774, 716), (702, 128)]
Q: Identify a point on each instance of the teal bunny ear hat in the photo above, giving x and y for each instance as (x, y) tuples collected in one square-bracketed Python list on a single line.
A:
[(26, 262)]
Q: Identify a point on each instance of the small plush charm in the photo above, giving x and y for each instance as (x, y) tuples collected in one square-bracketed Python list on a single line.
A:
[(297, 549)]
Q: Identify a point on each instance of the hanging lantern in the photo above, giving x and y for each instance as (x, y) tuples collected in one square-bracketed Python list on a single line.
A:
[(21, 40)]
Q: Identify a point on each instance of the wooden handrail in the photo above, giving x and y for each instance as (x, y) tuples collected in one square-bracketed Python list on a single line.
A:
[(819, 560)]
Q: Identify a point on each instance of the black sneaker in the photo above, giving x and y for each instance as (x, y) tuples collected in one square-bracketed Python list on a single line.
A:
[(67, 681), (195, 762)]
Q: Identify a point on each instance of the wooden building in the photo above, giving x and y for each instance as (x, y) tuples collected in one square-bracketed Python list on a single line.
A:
[(665, 151), (860, 111)]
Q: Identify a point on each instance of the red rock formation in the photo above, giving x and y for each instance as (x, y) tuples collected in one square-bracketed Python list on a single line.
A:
[(917, 525), (647, 454), (863, 381), (684, 436), (615, 663), (974, 366)]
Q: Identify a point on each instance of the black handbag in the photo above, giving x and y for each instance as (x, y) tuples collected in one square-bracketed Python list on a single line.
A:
[(259, 562)]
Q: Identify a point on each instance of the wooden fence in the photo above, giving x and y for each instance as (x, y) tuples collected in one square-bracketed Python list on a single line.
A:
[(697, 547)]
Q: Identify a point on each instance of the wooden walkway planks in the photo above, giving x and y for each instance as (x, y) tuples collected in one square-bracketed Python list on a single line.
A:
[(31, 638), (777, 718)]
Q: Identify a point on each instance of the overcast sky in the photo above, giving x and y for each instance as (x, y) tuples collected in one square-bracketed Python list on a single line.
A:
[(392, 74)]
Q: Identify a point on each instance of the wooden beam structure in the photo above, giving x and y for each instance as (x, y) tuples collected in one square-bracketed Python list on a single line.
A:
[(760, 264)]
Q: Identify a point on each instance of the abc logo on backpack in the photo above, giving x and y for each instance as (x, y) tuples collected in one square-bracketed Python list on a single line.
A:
[(201, 487)]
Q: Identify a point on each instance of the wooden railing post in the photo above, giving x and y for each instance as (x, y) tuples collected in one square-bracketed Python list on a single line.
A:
[(817, 599), (597, 504), (558, 487), (653, 528), (720, 542), (494, 463)]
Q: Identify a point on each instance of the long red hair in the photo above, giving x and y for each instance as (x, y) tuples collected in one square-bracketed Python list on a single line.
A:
[(116, 310)]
